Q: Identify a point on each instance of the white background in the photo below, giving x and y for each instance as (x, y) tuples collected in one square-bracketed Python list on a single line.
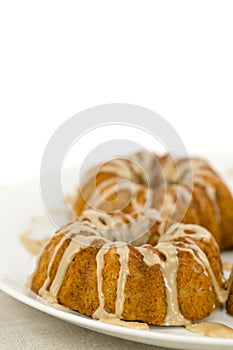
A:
[(60, 57)]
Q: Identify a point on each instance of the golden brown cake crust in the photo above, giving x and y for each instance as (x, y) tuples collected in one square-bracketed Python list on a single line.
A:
[(145, 294)]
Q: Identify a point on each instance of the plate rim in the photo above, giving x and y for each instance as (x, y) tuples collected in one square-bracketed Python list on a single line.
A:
[(165, 339)]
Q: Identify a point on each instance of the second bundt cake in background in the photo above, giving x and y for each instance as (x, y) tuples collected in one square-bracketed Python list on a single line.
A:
[(185, 190)]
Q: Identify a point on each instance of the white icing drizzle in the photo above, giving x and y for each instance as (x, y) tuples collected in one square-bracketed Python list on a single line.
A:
[(195, 231), (131, 170), (211, 329), (101, 219), (76, 231), (123, 252), (102, 191), (76, 227), (150, 258), (117, 322), (200, 174), (100, 312), (221, 293), (109, 187), (120, 167), (43, 289), (147, 163), (175, 202), (169, 268), (199, 233), (66, 259), (135, 232), (197, 166)]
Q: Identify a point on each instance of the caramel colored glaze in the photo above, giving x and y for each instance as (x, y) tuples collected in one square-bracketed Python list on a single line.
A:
[(43, 263), (193, 286), (109, 280), (211, 329), (193, 213), (211, 204), (212, 253), (79, 288), (55, 263), (117, 322), (87, 190), (103, 182)]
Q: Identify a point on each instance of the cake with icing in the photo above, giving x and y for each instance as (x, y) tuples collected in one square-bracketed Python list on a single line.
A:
[(185, 190), (173, 281), (145, 246)]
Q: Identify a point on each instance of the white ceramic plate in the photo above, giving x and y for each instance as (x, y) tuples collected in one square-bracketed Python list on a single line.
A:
[(19, 206)]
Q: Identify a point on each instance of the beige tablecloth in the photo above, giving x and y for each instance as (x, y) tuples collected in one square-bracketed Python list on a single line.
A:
[(22, 327)]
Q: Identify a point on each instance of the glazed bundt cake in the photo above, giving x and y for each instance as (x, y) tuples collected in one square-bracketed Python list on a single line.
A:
[(186, 190), (174, 280)]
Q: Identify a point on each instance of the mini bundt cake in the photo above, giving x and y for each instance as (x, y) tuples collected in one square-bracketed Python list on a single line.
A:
[(173, 281), (186, 190)]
